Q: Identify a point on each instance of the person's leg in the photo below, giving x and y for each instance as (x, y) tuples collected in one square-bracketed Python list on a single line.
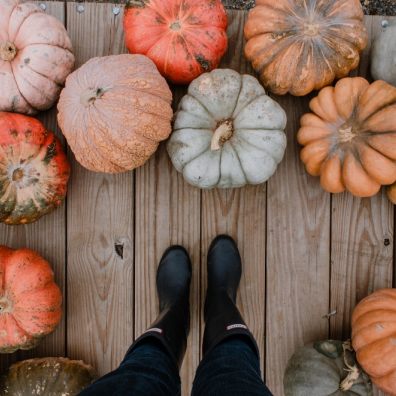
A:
[(231, 358), (151, 366)]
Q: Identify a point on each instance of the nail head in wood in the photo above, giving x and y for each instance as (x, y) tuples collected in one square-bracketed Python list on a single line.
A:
[(80, 8), (116, 10), (384, 23), (43, 6)]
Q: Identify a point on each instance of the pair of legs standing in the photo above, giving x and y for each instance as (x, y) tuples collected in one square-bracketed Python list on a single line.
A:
[(230, 366)]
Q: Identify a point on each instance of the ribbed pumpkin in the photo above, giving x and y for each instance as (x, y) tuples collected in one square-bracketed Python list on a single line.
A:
[(227, 132), (184, 38), (301, 45), (36, 56), (114, 111), (374, 338), (30, 300), (350, 138), (33, 170), (47, 377), (325, 368)]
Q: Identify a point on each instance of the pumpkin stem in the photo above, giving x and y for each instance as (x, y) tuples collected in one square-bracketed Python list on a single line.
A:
[(346, 133), (89, 96), (17, 175), (223, 132), (353, 370), (8, 51)]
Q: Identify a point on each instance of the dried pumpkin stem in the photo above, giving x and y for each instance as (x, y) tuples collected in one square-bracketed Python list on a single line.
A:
[(89, 96), (353, 370), (346, 134), (8, 51), (223, 132)]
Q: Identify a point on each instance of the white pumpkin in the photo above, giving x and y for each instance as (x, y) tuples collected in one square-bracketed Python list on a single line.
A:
[(227, 132), (383, 55)]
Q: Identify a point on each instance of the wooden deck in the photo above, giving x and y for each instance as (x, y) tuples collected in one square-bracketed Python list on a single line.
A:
[(305, 253)]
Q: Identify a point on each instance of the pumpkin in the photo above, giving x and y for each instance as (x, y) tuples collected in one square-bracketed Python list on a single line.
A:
[(383, 55), (298, 46), (30, 300), (374, 338), (325, 368), (114, 111), (350, 136), (36, 56), (227, 132), (391, 192), (47, 377), (184, 38), (33, 170)]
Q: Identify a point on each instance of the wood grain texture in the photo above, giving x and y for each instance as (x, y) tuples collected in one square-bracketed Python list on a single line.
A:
[(167, 213), (298, 227), (48, 237), (100, 226), (240, 213), (362, 239)]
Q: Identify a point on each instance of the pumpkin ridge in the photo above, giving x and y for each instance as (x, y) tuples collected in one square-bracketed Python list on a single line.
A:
[(197, 156), (239, 160), (234, 116), (20, 93), (17, 4)]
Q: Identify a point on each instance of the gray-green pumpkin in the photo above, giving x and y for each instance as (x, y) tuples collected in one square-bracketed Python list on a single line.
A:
[(383, 54), (325, 368), (47, 377)]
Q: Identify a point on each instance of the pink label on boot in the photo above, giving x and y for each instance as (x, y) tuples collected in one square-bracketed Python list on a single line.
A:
[(155, 329), (236, 326)]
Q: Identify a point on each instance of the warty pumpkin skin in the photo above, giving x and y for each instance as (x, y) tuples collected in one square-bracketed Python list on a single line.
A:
[(34, 170), (325, 368), (114, 111), (227, 132), (184, 38), (383, 55), (30, 300), (36, 55), (350, 136), (51, 376), (374, 338), (297, 46)]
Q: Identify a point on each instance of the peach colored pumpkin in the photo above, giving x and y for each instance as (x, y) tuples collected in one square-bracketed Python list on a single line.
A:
[(297, 46), (374, 338), (114, 111), (350, 136), (30, 300), (36, 56)]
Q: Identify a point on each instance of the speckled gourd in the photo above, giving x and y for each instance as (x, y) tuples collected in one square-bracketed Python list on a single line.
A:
[(36, 55), (51, 376), (227, 132), (325, 368)]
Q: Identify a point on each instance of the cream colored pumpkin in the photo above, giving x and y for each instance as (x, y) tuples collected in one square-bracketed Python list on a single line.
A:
[(383, 54), (227, 132), (36, 56)]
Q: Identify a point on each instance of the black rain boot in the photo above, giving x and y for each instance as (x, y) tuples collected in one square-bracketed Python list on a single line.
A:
[(222, 317), (173, 287)]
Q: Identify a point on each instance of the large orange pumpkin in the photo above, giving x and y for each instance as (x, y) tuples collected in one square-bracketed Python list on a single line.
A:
[(30, 301), (35, 57), (184, 38), (350, 136), (33, 170), (297, 46), (374, 338)]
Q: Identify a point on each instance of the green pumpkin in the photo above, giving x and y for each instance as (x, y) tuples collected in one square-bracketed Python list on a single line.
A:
[(325, 368), (46, 377)]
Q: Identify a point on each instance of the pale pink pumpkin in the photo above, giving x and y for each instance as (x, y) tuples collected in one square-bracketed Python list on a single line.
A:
[(36, 56)]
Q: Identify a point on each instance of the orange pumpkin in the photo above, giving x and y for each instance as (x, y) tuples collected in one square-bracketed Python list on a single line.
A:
[(34, 170), (184, 38), (374, 338), (36, 56), (350, 136), (391, 192), (301, 45), (30, 301), (114, 111)]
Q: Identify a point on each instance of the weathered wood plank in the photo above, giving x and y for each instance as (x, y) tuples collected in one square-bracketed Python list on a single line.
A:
[(240, 213), (47, 236), (100, 216), (362, 239), (298, 228)]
